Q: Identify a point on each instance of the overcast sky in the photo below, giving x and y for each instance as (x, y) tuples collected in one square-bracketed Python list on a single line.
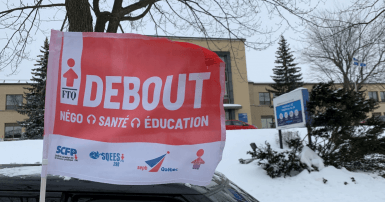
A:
[(259, 63)]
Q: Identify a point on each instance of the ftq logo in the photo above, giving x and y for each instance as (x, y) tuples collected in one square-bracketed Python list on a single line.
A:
[(116, 158), (66, 154), (71, 68), (156, 164)]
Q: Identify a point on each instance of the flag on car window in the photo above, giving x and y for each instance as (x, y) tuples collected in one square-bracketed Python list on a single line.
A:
[(132, 109)]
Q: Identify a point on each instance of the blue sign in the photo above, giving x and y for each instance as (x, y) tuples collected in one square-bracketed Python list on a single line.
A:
[(242, 117), (289, 113)]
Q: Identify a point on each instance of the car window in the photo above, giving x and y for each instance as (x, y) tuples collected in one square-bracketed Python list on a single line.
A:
[(238, 123), (126, 198), (228, 123), (240, 195), (27, 199), (18, 199), (232, 193)]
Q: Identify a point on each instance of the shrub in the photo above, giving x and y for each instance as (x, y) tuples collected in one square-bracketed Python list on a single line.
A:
[(287, 136), (279, 164)]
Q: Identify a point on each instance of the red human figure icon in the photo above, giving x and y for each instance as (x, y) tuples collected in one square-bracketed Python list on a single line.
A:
[(197, 162), (122, 158), (70, 75), (76, 157)]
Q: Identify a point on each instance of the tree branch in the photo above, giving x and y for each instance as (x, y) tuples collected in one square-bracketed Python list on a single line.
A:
[(136, 6), (96, 9), (129, 18), (64, 22), (30, 7)]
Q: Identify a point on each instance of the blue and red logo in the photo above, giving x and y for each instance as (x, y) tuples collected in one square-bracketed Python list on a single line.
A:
[(117, 158), (199, 161), (66, 154), (156, 164)]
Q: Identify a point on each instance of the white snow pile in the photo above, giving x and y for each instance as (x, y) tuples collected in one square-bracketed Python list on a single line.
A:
[(327, 185), (21, 152), (21, 171), (310, 158)]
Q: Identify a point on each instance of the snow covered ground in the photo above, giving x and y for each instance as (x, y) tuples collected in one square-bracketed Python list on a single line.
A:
[(21, 152), (304, 187)]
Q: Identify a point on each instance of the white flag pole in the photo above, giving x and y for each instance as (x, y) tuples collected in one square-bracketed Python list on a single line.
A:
[(50, 103), (43, 186), (44, 164)]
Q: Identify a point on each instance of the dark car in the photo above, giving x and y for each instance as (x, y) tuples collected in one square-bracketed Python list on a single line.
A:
[(27, 188), (238, 125)]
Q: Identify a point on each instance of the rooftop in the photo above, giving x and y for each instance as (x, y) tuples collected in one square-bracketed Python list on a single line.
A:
[(15, 81), (205, 38)]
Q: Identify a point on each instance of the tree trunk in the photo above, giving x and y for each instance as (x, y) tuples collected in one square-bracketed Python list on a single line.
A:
[(113, 24), (346, 84), (101, 21), (79, 16)]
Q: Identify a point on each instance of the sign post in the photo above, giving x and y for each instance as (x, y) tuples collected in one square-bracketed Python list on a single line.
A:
[(280, 139), (132, 110), (290, 110)]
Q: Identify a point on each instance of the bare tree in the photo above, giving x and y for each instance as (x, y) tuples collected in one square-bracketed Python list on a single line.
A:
[(372, 10), (233, 19), (337, 51)]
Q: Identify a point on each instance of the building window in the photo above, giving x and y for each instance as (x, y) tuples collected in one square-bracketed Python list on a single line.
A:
[(267, 121), (225, 57), (376, 114), (226, 99), (373, 95), (14, 101), (264, 98), (273, 96), (382, 94), (12, 131), (227, 114), (230, 114)]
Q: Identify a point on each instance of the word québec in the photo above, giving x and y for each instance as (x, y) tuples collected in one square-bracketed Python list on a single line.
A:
[(129, 93)]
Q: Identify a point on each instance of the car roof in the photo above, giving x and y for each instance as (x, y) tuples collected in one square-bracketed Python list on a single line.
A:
[(61, 184), (57, 184)]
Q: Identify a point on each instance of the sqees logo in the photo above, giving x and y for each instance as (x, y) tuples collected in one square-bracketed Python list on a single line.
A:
[(71, 68), (116, 158)]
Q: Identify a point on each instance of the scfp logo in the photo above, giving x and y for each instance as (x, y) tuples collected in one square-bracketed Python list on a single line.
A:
[(66, 151)]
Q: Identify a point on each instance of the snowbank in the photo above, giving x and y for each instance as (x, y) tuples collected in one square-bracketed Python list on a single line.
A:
[(21, 152), (310, 158), (305, 187)]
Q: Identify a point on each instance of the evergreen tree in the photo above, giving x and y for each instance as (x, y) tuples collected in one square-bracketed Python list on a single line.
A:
[(287, 76), (340, 138), (35, 97)]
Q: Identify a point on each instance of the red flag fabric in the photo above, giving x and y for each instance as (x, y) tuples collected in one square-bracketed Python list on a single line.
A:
[(132, 109)]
